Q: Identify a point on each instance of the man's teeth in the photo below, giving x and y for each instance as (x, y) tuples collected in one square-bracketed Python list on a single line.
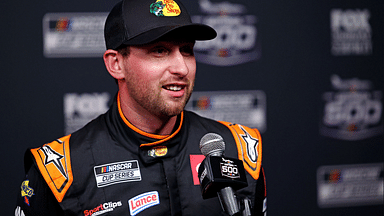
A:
[(173, 88)]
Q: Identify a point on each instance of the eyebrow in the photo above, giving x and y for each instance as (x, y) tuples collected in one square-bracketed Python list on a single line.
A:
[(167, 42)]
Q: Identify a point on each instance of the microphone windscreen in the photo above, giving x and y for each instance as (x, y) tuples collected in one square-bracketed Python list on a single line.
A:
[(212, 144)]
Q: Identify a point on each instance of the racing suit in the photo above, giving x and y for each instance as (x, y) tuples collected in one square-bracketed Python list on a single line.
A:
[(110, 167)]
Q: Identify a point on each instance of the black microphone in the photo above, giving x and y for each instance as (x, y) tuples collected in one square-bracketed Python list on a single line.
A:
[(220, 176)]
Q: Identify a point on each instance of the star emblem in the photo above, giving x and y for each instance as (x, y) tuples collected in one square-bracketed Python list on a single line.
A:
[(252, 144), (51, 156)]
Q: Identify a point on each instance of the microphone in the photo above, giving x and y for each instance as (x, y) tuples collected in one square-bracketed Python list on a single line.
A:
[(219, 176)]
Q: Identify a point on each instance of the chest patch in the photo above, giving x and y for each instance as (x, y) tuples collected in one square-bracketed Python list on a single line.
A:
[(119, 172), (26, 191), (195, 164), (143, 201)]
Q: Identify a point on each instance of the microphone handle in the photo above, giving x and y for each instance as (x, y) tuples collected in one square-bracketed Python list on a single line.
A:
[(228, 201)]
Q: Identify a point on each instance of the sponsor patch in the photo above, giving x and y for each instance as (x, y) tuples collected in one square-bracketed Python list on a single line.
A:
[(252, 144), (265, 205), (26, 191), (103, 208), (143, 201), (19, 212), (119, 172), (249, 147), (53, 160), (195, 164), (51, 156), (165, 8), (158, 151)]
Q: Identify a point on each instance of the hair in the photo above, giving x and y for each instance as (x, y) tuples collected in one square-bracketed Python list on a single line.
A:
[(124, 50)]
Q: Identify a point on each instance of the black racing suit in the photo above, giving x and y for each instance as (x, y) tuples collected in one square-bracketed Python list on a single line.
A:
[(109, 167)]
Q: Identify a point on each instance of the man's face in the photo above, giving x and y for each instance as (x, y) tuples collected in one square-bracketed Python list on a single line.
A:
[(159, 77)]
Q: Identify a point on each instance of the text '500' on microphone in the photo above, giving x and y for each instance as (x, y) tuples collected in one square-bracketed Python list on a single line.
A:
[(220, 176)]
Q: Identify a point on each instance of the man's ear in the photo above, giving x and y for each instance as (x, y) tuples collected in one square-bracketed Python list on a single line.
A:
[(113, 60)]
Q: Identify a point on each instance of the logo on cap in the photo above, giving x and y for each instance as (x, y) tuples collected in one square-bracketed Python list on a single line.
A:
[(165, 8)]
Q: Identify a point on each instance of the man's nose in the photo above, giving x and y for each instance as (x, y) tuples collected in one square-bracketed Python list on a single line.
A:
[(178, 64)]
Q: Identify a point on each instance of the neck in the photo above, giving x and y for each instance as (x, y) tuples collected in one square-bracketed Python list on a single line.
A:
[(146, 121)]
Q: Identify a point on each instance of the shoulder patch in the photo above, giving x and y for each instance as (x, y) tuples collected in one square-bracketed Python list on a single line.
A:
[(54, 163), (249, 147)]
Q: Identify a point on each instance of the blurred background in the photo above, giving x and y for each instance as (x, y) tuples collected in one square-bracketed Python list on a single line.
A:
[(308, 74)]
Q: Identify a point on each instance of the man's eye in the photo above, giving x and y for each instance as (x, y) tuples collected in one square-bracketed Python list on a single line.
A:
[(159, 50), (187, 50)]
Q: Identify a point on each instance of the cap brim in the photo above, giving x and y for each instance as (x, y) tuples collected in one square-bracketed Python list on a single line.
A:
[(191, 31)]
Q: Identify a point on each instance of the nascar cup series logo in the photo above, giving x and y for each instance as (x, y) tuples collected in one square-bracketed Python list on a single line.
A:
[(353, 111), (73, 34), (119, 172), (236, 42), (351, 32), (247, 108), (350, 185)]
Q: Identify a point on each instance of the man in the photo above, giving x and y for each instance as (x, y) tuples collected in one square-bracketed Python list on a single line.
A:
[(141, 157)]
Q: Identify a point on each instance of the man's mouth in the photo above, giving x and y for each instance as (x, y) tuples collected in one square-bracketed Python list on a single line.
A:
[(173, 88)]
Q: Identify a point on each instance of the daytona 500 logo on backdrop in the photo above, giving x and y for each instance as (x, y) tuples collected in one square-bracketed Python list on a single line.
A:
[(353, 111), (236, 42)]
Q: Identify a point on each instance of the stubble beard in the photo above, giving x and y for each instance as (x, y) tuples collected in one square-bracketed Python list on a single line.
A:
[(154, 103), (170, 111)]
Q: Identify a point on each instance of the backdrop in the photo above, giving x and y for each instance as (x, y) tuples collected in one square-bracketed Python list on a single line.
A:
[(308, 74)]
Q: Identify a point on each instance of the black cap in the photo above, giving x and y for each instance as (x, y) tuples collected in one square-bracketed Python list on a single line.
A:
[(137, 22)]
